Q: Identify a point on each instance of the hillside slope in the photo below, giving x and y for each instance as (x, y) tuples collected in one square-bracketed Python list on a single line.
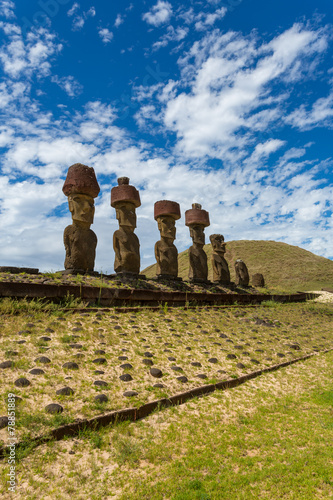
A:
[(285, 267)]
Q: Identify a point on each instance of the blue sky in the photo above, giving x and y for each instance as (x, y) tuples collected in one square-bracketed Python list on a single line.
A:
[(225, 103)]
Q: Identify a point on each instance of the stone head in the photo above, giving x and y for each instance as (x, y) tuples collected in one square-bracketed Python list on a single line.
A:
[(82, 208), (218, 244), (197, 234), (125, 214), (167, 227)]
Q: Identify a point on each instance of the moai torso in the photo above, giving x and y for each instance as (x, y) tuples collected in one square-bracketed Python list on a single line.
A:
[(127, 252), (242, 274), (80, 245), (220, 266), (125, 199), (166, 255), (198, 263)]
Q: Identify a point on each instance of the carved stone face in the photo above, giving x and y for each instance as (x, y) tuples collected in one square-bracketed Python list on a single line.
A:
[(197, 234), (126, 216), (82, 208), (167, 227), (218, 244)]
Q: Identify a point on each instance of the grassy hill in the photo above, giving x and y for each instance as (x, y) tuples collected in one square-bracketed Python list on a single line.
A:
[(285, 267)]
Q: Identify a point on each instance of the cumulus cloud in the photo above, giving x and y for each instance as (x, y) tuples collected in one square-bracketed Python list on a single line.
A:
[(105, 35), (159, 14), (320, 114), (172, 35), (26, 57), (205, 20), (80, 18), (69, 84), (7, 8), (119, 20)]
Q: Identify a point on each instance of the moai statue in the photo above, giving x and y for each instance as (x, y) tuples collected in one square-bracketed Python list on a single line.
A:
[(221, 272), (242, 274), (125, 199), (258, 280), (197, 219), (80, 241), (166, 213)]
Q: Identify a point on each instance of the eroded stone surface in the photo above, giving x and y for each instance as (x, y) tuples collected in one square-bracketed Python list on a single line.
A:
[(197, 219), (80, 241), (221, 273), (54, 408), (258, 280), (242, 273), (166, 213)]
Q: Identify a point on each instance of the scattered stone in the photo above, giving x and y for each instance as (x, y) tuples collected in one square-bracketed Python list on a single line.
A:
[(99, 351), (238, 347), (3, 422), (45, 338), (176, 368), (99, 361), (36, 371), (259, 350), (43, 359), (182, 379), (295, 346), (148, 354), (201, 375), (7, 364), (280, 354), (100, 383), (188, 348), (223, 336), (65, 391), (126, 366), (79, 355), (21, 341), (49, 330), (122, 358), (54, 408), (196, 363), (171, 358), (126, 377), (12, 353), (101, 398), (159, 386), (213, 360), (240, 365), (231, 356), (129, 394), (22, 382), (99, 372), (147, 362), (255, 361), (70, 365), (76, 346), (156, 372)]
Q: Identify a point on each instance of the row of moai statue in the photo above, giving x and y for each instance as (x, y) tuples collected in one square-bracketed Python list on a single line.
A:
[(81, 187)]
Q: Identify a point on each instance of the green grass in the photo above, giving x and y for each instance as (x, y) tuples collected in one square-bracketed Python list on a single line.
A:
[(268, 439), (286, 268)]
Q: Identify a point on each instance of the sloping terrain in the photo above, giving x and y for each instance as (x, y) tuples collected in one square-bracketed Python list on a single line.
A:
[(285, 267)]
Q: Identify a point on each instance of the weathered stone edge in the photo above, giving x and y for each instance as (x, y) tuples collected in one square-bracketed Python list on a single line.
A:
[(116, 296), (134, 414)]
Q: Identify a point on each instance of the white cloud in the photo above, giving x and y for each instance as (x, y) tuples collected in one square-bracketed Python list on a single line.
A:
[(68, 83), (7, 8), (172, 35), (320, 114), (79, 19), (226, 91), (119, 20), (105, 35), (28, 57), (159, 14), (205, 20)]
